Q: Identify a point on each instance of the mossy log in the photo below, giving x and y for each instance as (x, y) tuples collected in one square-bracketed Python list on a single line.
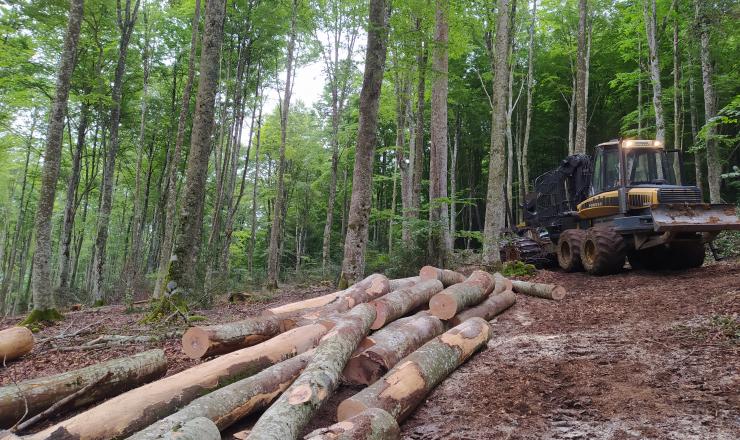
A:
[(546, 291), (400, 302), (371, 424), (140, 407), (292, 411), (389, 345), (406, 385), (113, 377), (402, 283), (200, 342), (15, 342), (502, 284), (199, 428), (488, 309), (447, 277), (457, 297), (233, 402)]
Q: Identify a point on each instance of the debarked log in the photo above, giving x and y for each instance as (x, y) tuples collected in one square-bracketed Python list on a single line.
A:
[(203, 341)]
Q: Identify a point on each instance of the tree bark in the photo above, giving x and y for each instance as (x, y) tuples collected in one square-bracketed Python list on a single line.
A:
[(386, 347), (402, 283), (400, 302), (371, 424), (446, 276), (495, 208), (698, 161), (43, 296), (406, 385), (287, 417), (581, 80), (183, 263), (140, 407), (502, 283), (118, 375), (126, 22), (447, 303), (440, 244), (233, 402), (714, 166), (546, 291), (199, 428), (170, 186), (15, 342), (453, 180), (355, 243), (652, 40), (255, 192), (200, 342), (488, 309), (677, 105), (530, 93)]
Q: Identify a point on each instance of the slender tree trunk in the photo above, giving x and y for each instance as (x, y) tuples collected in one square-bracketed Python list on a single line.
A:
[(440, 243), (581, 82), (698, 156), (273, 253), (530, 92), (43, 297), (183, 263), (170, 186), (417, 153), (652, 40), (453, 180), (572, 115), (714, 166), (677, 129), (255, 190), (639, 88), (494, 200), (355, 242), (510, 142), (126, 21)]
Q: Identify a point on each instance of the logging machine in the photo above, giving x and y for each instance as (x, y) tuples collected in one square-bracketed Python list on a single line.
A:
[(627, 201)]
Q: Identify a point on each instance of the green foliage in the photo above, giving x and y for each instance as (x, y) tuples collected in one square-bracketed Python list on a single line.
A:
[(517, 269)]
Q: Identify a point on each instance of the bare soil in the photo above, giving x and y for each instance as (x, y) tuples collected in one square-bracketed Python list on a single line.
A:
[(634, 355)]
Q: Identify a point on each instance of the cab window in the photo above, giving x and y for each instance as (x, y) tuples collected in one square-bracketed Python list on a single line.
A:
[(606, 170)]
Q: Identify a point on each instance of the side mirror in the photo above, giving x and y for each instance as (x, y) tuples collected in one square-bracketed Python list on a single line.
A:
[(675, 165)]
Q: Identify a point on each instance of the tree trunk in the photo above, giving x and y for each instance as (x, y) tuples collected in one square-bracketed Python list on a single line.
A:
[(233, 402), (652, 40), (530, 92), (453, 181), (447, 303), (405, 386), (371, 424), (355, 243), (15, 342), (714, 166), (446, 276), (488, 309), (43, 297), (677, 105), (572, 115), (400, 302), (140, 407), (389, 345), (183, 263), (417, 153), (547, 291), (200, 342), (495, 208), (402, 283), (581, 80), (639, 88), (170, 186), (287, 417), (440, 242), (126, 22), (113, 377), (698, 161)]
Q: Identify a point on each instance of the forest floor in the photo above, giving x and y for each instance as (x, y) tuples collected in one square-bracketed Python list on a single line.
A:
[(633, 355)]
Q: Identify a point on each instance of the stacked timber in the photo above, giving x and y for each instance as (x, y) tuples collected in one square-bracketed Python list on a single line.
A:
[(203, 341), (373, 423), (488, 309), (400, 302), (449, 302), (447, 277)]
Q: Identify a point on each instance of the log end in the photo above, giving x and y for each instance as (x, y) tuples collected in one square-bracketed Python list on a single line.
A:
[(443, 306), (348, 408), (15, 342), (558, 293), (429, 273), (381, 314), (360, 370), (196, 342)]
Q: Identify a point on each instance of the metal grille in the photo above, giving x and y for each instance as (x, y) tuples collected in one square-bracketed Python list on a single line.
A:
[(686, 194), (639, 200)]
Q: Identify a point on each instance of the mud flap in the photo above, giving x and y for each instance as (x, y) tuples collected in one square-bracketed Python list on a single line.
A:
[(694, 217)]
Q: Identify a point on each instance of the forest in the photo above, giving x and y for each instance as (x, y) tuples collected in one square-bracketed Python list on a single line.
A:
[(165, 150)]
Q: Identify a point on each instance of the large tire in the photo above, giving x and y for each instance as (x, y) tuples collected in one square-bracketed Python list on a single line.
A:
[(653, 258), (603, 251), (685, 255), (569, 250)]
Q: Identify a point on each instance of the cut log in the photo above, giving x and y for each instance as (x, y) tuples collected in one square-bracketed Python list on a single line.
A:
[(390, 345), (199, 342), (371, 424), (233, 402), (406, 385), (15, 342), (502, 283), (41, 393), (447, 277), (457, 297), (292, 411), (200, 428), (400, 302), (488, 309), (546, 291), (402, 283), (140, 407)]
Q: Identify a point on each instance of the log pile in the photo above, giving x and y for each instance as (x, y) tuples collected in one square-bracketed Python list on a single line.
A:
[(286, 363)]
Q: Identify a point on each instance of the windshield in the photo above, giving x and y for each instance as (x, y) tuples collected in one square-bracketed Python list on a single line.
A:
[(648, 166)]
